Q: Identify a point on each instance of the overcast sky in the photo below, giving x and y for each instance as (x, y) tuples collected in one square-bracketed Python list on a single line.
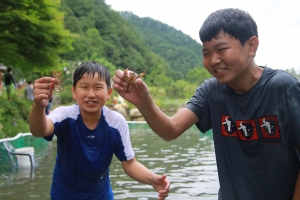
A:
[(278, 23)]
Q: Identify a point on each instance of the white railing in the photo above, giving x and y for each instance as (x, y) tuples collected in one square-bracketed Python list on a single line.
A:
[(136, 122), (16, 137)]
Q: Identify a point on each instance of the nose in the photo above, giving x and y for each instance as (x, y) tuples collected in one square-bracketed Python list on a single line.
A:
[(91, 93), (215, 60)]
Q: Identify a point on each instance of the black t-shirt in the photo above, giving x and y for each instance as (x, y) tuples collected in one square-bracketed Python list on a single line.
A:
[(255, 134), (9, 79)]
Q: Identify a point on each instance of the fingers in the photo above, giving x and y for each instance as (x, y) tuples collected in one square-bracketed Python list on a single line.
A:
[(166, 182), (165, 185), (45, 80), (118, 82), (119, 74), (162, 178), (162, 194), (42, 91)]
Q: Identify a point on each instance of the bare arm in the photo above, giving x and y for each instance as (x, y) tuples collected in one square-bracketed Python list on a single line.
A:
[(39, 124), (168, 128), (297, 186), (140, 173)]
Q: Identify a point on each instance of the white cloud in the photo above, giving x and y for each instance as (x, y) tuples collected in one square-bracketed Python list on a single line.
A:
[(278, 22)]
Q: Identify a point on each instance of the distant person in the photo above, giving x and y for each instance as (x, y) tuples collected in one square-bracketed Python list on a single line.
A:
[(9, 83), (88, 134), (49, 106), (1, 82), (253, 111), (29, 91)]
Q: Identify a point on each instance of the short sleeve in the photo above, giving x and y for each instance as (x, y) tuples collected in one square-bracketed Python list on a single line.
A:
[(293, 104), (199, 104), (59, 118), (124, 146)]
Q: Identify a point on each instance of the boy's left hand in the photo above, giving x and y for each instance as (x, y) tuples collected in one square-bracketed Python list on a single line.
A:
[(162, 185)]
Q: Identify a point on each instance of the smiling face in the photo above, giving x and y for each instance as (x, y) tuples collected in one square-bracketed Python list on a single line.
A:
[(91, 93), (226, 59)]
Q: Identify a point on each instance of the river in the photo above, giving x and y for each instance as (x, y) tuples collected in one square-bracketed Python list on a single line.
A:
[(189, 163)]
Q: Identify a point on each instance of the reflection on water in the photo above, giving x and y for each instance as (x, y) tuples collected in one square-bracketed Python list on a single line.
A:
[(188, 161)]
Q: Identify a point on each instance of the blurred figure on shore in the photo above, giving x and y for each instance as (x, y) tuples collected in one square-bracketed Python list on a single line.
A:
[(1, 84), (48, 107), (29, 91), (9, 83)]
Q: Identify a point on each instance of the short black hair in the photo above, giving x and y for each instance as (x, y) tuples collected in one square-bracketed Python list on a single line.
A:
[(90, 68), (29, 82), (235, 22), (9, 69)]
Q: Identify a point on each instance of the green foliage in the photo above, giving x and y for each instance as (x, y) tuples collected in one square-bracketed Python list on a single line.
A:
[(14, 116), (105, 36), (157, 92), (294, 72), (65, 97), (178, 49), (170, 103), (39, 36), (32, 33), (197, 75), (181, 89)]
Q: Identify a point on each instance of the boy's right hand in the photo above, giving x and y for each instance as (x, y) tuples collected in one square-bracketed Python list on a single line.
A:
[(42, 91), (139, 93)]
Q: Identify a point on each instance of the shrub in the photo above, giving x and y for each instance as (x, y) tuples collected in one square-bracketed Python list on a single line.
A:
[(14, 116)]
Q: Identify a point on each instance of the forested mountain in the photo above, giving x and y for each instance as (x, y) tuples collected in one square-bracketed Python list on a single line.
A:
[(32, 34), (178, 49), (104, 36), (45, 35)]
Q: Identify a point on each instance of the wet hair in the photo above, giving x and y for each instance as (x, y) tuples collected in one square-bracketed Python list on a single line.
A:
[(90, 68), (235, 22)]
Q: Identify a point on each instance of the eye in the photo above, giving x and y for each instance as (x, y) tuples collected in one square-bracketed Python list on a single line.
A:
[(222, 49), (99, 87), (204, 54)]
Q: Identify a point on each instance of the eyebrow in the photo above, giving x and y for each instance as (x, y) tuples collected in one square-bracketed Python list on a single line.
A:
[(216, 45), (87, 83)]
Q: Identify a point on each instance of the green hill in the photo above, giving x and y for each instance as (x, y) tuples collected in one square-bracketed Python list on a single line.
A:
[(178, 49)]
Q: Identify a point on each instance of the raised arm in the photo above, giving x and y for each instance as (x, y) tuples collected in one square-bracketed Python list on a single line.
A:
[(39, 124), (297, 186), (168, 128), (140, 173)]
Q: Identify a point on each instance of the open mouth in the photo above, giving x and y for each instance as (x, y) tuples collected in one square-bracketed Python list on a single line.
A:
[(90, 103), (220, 70)]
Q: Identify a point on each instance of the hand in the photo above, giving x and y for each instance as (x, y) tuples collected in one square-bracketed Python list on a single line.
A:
[(162, 185), (42, 91), (139, 93)]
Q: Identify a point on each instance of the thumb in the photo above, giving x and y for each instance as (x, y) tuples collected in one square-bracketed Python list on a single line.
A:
[(140, 85), (162, 178)]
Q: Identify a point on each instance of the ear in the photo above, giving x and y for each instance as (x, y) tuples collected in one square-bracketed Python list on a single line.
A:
[(253, 46), (73, 92), (109, 92)]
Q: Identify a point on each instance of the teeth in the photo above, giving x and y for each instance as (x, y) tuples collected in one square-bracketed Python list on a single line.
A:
[(219, 70)]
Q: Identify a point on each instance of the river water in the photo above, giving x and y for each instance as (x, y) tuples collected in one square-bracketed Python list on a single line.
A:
[(189, 163)]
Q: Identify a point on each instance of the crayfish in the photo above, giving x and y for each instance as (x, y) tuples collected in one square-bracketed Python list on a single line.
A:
[(56, 84), (130, 79)]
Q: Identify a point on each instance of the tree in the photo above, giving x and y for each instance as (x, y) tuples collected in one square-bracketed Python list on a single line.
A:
[(294, 72), (179, 50), (32, 34), (198, 75)]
